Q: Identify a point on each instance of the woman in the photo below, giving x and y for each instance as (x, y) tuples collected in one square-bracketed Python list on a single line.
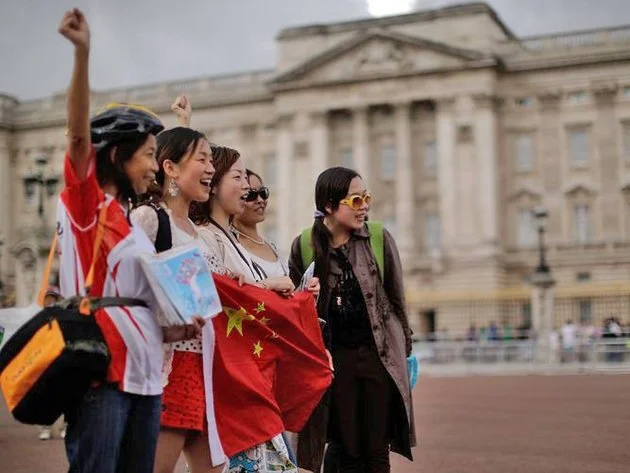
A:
[(184, 176), (110, 160), (227, 199), (367, 333)]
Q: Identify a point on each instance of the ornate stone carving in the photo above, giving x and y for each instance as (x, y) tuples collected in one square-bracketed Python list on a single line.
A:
[(484, 100), (549, 99), (604, 92)]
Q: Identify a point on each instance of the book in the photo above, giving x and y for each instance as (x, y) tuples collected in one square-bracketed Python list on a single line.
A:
[(182, 283)]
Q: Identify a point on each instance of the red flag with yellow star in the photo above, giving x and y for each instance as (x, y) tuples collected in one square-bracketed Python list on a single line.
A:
[(270, 366)]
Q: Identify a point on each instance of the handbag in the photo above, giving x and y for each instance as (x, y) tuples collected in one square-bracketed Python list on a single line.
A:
[(47, 366)]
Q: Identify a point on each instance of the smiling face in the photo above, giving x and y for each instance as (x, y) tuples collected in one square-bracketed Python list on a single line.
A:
[(254, 212), (231, 190), (142, 166), (347, 216), (193, 174)]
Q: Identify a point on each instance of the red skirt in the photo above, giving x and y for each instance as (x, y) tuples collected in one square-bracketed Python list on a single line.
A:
[(183, 401)]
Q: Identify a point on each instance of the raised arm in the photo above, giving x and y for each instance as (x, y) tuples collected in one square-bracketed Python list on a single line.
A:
[(182, 109), (75, 28)]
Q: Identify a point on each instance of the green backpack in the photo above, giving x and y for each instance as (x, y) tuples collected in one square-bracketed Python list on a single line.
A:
[(376, 242)]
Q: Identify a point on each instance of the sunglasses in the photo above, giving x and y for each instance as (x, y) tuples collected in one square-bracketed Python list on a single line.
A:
[(253, 194), (356, 201)]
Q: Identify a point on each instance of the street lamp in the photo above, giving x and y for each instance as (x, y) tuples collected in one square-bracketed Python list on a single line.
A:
[(541, 217), (46, 184)]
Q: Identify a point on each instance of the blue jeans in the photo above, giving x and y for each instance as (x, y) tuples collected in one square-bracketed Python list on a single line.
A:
[(113, 432)]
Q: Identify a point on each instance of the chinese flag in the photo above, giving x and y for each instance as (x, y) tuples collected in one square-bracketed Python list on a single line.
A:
[(270, 366)]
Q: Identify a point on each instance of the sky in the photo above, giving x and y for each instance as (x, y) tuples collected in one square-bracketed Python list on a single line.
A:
[(141, 41)]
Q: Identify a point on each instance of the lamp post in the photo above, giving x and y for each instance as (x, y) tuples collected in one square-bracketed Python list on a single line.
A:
[(39, 181), (542, 296)]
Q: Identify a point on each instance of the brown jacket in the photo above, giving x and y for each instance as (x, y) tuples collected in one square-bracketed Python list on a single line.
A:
[(385, 303)]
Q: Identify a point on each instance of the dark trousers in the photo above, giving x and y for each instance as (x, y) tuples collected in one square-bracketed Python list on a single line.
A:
[(361, 397), (113, 432)]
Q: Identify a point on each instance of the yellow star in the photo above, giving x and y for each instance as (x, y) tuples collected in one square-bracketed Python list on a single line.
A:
[(236, 318), (260, 308), (257, 349), (264, 320)]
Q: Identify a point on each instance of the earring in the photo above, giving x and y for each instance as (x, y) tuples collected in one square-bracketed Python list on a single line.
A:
[(173, 188)]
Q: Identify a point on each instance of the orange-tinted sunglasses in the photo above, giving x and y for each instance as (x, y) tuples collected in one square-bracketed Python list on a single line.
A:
[(356, 201)]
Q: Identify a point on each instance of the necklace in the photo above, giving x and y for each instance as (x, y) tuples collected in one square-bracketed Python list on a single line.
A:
[(258, 242)]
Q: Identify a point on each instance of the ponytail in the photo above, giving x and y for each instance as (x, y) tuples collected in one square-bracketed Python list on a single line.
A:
[(320, 236)]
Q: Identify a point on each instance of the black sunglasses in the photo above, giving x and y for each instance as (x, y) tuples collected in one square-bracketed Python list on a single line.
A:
[(253, 194)]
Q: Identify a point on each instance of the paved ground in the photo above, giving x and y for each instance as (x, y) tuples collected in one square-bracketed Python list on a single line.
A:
[(497, 424)]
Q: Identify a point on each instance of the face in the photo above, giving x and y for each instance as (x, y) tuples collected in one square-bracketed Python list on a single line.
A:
[(254, 212), (142, 166), (348, 217), (50, 300), (193, 173), (232, 189)]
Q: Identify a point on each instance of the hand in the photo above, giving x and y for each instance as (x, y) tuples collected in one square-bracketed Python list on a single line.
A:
[(182, 110), (330, 361), (75, 27), (280, 284), (313, 286), (178, 333), (240, 277)]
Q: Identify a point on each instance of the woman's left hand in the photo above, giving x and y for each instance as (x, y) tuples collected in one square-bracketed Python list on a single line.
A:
[(313, 286)]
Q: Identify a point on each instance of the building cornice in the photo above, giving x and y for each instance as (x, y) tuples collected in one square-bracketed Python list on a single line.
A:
[(453, 11)]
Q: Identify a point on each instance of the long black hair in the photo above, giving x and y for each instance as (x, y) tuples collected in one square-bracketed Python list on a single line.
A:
[(331, 187)]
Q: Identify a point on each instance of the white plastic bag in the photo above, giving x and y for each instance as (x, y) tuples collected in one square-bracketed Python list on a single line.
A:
[(13, 318)]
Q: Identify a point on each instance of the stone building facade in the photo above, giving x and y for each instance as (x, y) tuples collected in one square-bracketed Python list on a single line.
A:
[(458, 127)]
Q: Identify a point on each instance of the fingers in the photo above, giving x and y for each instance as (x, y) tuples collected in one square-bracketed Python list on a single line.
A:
[(198, 322)]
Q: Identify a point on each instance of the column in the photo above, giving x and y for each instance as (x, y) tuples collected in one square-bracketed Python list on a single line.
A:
[(361, 142), (404, 181), (486, 136), (446, 170), (604, 136), (319, 143), (285, 179)]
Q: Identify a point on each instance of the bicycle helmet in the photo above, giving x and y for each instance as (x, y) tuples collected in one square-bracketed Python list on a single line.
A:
[(118, 121)]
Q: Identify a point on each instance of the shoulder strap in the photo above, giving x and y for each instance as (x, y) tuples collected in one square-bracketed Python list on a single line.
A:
[(306, 247), (376, 242), (164, 237), (378, 245), (100, 230)]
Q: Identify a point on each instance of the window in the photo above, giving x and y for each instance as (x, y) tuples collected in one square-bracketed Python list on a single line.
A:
[(430, 158), (388, 162), (270, 173), (347, 160), (390, 223), (526, 314), (586, 314), (578, 97), (526, 227), (626, 91), (524, 102), (581, 223), (524, 152), (579, 146), (432, 235)]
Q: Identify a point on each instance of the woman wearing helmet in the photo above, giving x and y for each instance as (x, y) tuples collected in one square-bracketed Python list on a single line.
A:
[(110, 160)]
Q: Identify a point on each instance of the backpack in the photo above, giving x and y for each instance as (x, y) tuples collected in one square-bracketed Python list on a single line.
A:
[(163, 238), (376, 243)]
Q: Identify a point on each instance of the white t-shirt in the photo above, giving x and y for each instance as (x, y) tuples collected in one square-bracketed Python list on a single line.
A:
[(569, 333)]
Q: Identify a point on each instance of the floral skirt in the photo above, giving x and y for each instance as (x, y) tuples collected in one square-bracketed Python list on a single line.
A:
[(268, 457)]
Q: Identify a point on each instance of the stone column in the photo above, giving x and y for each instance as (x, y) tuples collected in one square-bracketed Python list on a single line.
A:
[(446, 170), (361, 142), (543, 317), (404, 181), (319, 143), (486, 144), (549, 156), (286, 178), (605, 140)]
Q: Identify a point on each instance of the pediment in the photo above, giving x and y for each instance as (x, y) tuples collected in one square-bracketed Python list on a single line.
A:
[(578, 188), (381, 54), (525, 194)]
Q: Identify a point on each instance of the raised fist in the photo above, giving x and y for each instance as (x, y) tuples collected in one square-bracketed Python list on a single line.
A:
[(182, 110), (74, 26)]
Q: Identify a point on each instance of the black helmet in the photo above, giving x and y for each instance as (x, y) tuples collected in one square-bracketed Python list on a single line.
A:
[(118, 121)]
